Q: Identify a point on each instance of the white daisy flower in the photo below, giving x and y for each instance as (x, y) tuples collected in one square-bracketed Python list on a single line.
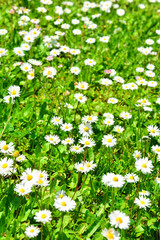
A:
[(22, 189), (56, 121), (6, 166), (144, 165), (113, 180), (109, 140), (111, 234), (119, 219), (85, 129), (53, 139), (32, 231), (87, 142), (76, 149), (14, 91), (153, 131), (131, 177), (64, 204), (142, 202), (43, 216), (66, 127), (80, 97), (68, 141), (6, 148)]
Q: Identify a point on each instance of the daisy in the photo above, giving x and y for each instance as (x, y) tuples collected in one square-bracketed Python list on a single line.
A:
[(87, 142), (6, 166), (50, 72), (108, 121), (118, 129), (42, 182), (89, 166), (119, 219), (105, 81), (82, 85), (139, 69), (68, 141), (157, 180), (22, 189), (90, 62), (131, 177), (66, 127), (3, 31), (29, 177), (112, 100), (43, 216), (111, 234), (14, 91), (80, 167), (113, 180), (80, 97), (85, 129), (76, 32), (142, 202), (31, 74), (153, 131), (53, 139), (137, 155), (68, 105), (90, 119), (8, 98), (144, 193), (150, 66), (56, 121), (6, 148), (109, 140), (60, 194), (64, 204), (156, 149), (144, 165), (104, 39), (76, 149), (152, 84), (120, 12), (32, 231), (144, 102), (149, 73), (118, 79), (74, 51), (75, 70), (90, 40), (20, 158), (54, 52), (26, 67), (125, 115), (108, 115)]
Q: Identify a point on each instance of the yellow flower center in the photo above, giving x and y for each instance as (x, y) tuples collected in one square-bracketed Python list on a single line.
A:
[(51, 139), (110, 235), (49, 73), (57, 120), (89, 118), (115, 179), (80, 97), (119, 220), (63, 204), (43, 215), (143, 101), (86, 129), (40, 181), (19, 52), (13, 92), (144, 165), (26, 68), (137, 155), (81, 168), (143, 191), (5, 147), (88, 164), (66, 127), (61, 196), (86, 143), (142, 202), (22, 190), (152, 131), (76, 148), (108, 121), (40, 175), (131, 177), (29, 177), (32, 230), (31, 74), (5, 165), (67, 140), (157, 149), (16, 154), (109, 140), (118, 130)]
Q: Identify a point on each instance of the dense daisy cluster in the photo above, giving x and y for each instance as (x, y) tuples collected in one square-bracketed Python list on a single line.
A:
[(79, 129)]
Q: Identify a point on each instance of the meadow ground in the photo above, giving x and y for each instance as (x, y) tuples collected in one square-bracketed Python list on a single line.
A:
[(79, 126)]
